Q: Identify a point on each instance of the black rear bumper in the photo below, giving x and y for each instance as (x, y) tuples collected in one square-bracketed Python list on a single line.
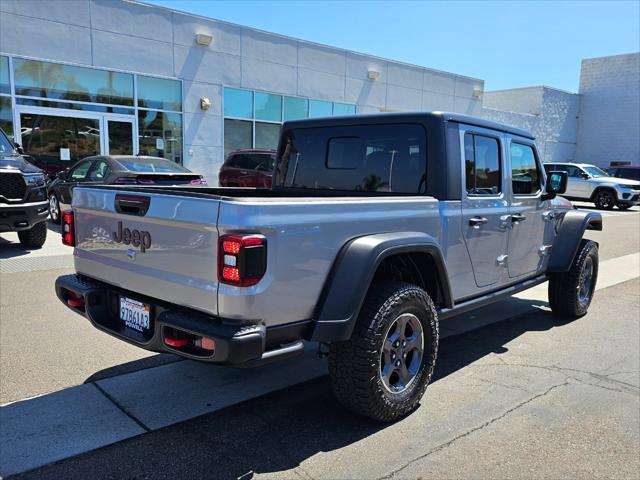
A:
[(234, 344), (22, 216)]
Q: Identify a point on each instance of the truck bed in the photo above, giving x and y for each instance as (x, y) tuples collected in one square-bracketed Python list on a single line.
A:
[(304, 235)]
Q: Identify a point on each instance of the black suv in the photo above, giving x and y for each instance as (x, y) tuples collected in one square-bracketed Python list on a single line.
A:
[(23, 196)]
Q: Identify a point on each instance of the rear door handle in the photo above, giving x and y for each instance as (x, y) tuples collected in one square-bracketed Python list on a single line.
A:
[(518, 218), (475, 222)]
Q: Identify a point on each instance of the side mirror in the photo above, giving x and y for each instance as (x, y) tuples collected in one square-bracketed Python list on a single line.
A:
[(556, 184), (19, 148), (585, 175), (62, 175)]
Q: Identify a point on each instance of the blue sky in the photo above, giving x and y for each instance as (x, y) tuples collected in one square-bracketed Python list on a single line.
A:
[(508, 44)]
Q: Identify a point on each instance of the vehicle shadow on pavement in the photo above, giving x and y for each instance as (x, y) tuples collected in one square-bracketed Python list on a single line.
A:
[(278, 431), (11, 248)]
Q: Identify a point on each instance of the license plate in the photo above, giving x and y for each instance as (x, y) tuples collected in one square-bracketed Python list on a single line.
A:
[(134, 314)]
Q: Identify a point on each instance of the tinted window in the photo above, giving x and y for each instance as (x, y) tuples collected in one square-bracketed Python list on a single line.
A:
[(524, 169), (162, 93), (372, 158), (549, 167), (482, 165), (238, 103), (69, 82), (268, 107), (572, 171), (79, 172), (295, 108), (100, 170), (252, 161), (148, 164)]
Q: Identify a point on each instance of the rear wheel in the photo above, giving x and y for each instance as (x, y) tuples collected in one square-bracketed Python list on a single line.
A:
[(570, 293), (604, 200), (383, 370), (35, 236), (54, 208)]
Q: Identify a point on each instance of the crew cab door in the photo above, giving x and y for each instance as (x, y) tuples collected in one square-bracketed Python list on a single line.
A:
[(485, 208), (529, 213)]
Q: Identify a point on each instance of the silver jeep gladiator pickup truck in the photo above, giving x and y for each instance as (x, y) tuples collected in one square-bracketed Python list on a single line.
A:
[(376, 228)]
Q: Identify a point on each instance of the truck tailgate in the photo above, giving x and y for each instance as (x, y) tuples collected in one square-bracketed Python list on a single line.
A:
[(135, 241)]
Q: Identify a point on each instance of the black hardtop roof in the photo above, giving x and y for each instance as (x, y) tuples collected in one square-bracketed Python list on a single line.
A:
[(404, 118)]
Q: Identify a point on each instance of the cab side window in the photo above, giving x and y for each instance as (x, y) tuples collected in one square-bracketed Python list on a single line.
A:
[(80, 171), (573, 171), (482, 165), (524, 169)]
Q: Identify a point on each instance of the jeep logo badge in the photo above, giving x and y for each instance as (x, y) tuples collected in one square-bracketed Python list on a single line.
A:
[(137, 238)]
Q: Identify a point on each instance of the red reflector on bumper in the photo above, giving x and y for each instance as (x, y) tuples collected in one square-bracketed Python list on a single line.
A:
[(76, 302), (177, 342)]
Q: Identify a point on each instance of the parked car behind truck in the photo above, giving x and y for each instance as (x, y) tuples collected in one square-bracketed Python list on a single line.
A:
[(23, 201), (375, 230)]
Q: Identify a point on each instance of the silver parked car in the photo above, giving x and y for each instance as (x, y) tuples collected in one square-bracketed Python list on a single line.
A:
[(591, 184)]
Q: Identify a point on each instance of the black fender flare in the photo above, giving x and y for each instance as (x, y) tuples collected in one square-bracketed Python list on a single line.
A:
[(567, 241), (352, 273)]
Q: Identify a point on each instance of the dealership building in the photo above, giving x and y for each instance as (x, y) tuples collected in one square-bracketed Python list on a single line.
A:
[(86, 77)]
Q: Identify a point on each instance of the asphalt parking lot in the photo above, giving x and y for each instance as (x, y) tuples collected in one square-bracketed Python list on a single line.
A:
[(518, 393)]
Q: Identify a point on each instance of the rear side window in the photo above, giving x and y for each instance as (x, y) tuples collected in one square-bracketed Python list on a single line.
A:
[(524, 169), (362, 158), (80, 171), (252, 161), (482, 165)]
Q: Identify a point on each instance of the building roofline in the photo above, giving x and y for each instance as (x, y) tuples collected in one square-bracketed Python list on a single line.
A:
[(532, 87), (309, 42), (610, 56)]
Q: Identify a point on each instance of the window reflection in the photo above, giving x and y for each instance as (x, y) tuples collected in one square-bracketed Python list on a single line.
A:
[(268, 107), (4, 75), (69, 82), (160, 134), (6, 121), (160, 93)]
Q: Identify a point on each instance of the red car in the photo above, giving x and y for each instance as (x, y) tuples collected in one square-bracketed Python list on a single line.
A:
[(250, 167)]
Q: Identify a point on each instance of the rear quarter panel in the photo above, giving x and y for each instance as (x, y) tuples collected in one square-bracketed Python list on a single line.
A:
[(304, 237)]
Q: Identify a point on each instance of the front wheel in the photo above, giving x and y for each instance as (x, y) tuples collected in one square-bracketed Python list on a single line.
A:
[(570, 293), (54, 208), (383, 370), (604, 200), (35, 236)]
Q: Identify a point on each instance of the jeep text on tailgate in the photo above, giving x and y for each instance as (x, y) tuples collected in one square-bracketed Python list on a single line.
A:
[(375, 229)]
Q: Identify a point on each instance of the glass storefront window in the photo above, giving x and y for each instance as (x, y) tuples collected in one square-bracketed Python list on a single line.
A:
[(267, 135), (268, 107), (238, 103), (4, 75), (295, 108), (237, 134), (343, 109), (69, 82), (160, 93), (160, 134), (320, 108), (6, 120), (57, 142)]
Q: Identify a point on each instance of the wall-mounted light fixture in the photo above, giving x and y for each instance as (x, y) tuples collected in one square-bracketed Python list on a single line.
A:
[(205, 103), (203, 39), (373, 74), (477, 92)]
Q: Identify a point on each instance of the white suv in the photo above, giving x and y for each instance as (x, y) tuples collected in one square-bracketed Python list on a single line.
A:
[(590, 183)]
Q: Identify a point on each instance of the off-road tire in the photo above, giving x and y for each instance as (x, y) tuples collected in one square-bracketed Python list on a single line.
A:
[(604, 200), (564, 287), (354, 365), (35, 236)]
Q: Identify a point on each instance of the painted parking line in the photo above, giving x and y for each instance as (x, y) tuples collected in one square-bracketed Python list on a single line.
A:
[(62, 424)]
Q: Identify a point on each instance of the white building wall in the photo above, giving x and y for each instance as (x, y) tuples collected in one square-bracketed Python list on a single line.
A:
[(152, 40), (610, 110), (551, 115)]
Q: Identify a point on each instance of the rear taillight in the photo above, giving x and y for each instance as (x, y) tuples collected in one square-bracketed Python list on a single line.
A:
[(198, 181), (68, 230), (242, 259)]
